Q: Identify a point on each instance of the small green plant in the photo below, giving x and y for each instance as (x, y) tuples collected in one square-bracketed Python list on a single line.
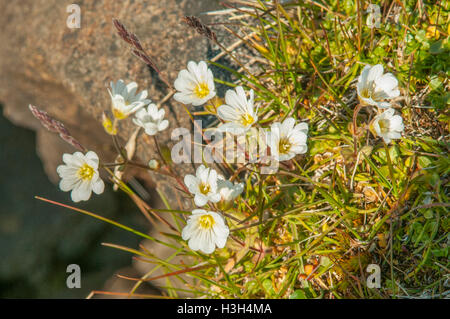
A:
[(352, 98)]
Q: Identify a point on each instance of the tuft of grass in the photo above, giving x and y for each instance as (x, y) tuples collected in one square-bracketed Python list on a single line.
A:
[(351, 200), (311, 229)]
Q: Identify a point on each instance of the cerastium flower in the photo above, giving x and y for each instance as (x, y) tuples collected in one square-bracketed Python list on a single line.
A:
[(151, 119), (388, 126), (124, 99), (203, 185), (261, 202), (375, 88), (205, 230), (80, 175), (288, 139), (228, 192), (195, 85), (238, 112)]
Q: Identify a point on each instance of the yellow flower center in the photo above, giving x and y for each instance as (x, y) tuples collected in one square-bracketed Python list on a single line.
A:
[(384, 126), (206, 221), (201, 90), (365, 93), (204, 188), (86, 172), (118, 114), (284, 146), (247, 119)]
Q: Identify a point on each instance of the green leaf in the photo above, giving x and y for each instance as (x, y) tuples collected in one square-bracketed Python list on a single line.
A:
[(437, 47), (298, 294), (165, 154), (424, 161), (428, 214), (267, 284), (440, 252), (435, 82), (394, 153), (420, 36)]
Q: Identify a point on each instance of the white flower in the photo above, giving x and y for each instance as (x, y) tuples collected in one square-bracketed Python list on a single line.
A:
[(227, 190), (124, 99), (288, 139), (239, 114), (205, 230), (374, 16), (195, 85), (203, 185), (374, 87), (151, 119), (80, 175), (388, 126)]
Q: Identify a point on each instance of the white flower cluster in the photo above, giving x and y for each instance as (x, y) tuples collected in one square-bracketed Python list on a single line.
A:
[(80, 173), (125, 102), (376, 89), (239, 113), (124, 99), (205, 229)]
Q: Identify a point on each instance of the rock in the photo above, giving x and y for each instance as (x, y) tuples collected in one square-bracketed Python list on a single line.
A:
[(66, 71)]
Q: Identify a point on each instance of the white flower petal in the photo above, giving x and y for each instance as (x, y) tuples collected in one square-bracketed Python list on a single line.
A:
[(151, 129), (287, 125), (191, 182), (194, 243), (375, 72), (98, 186), (200, 200), (374, 87), (214, 197), (67, 184), (208, 246), (228, 113), (163, 125), (183, 98)]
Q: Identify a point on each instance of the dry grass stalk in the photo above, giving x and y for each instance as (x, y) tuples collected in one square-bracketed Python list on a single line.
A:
[(200, 27), (137, 48), (55, 126)]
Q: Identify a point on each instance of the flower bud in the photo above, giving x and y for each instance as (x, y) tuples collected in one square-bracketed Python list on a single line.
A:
[(153, 164), (108, 125), (212, 105)]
